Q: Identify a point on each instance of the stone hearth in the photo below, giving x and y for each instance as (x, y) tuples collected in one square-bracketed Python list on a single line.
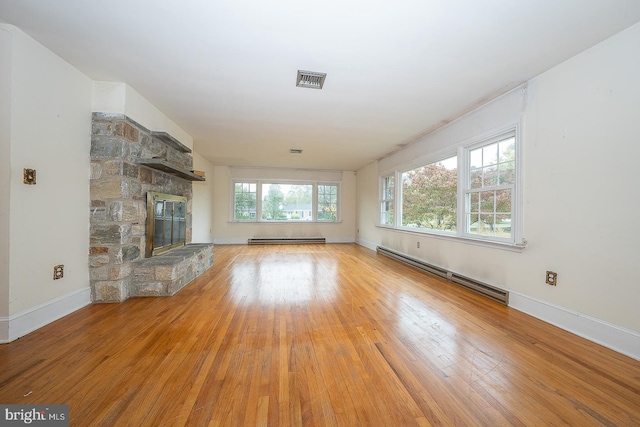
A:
[(127, 161), (166, 274)]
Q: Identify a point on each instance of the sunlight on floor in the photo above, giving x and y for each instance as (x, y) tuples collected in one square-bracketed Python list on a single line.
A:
[(296, 279)]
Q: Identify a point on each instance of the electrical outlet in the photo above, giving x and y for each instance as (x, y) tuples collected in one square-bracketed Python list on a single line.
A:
[(58, 271), (29, 176), (552, 278), (418, 245)]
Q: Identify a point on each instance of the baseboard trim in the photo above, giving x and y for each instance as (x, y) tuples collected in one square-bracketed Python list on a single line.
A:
[(20, 324), (231, 241), (614, 337), (340, 240), (367, 244)]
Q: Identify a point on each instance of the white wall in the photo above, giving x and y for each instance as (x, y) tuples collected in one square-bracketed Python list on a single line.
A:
[(367, 234), (225, 231), (5, 172), (580, 195), (203, 198), (120, 98), (49, 223), (108, 97), (145, 113)]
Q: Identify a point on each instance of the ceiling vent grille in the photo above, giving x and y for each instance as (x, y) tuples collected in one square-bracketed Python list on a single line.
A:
[(310, 79)]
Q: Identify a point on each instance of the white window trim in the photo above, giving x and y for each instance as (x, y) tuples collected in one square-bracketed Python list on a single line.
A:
[(516, 242), (382, 199), (232, 204), (463, 179), (314, 202)]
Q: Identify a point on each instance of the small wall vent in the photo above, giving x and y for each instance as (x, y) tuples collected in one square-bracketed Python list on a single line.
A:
[(310, 79)]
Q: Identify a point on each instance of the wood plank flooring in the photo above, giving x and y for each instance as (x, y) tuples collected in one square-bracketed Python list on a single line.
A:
[(317, 335)]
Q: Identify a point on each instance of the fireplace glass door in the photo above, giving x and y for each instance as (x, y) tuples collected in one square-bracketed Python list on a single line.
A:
[(166, 222)]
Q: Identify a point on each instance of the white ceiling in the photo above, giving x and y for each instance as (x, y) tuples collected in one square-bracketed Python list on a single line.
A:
[(225, 71)]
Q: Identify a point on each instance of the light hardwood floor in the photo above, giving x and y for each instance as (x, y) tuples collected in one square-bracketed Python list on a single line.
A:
[(317, 335)]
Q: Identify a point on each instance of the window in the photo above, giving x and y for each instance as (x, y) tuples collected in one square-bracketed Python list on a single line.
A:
[(275, 201), (472, 195), (387, 200), (327, 202), (286, 202), (244, 201), (490, 188), (429, 196)]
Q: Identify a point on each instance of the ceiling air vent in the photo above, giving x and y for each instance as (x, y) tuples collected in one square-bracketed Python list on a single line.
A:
[(310, 79), (295, 151)]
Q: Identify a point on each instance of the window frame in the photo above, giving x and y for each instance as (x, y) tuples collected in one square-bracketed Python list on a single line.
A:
[(259, 201), (316, 200), (385, 200), (462, 150), (233, 199), (464, 187)]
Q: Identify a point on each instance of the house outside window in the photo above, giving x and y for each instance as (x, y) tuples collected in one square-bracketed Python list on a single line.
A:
[(282, 201)]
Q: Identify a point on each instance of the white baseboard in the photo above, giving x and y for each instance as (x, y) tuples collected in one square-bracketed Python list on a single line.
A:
[(367, 244), (230, 241), (340, 240), (18, 325), (616, 338)]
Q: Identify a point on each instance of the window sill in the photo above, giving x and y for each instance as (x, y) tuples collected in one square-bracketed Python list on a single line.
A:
[(460, 239)]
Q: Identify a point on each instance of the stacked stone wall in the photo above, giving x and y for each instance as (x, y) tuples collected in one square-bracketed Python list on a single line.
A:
[(118, 211)]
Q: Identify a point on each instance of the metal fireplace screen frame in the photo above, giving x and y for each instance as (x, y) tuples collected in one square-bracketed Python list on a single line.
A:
[(166, 222)]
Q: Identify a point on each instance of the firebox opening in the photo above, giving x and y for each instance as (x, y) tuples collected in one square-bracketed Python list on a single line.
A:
[(166, 222)]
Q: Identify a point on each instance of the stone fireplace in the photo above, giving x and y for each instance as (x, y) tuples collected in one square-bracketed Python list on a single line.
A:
[(130, 164)]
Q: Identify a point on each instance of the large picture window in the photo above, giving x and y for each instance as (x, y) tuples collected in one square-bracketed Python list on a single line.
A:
[(286, 202), (429, 196), (275, 201), (473, 194)]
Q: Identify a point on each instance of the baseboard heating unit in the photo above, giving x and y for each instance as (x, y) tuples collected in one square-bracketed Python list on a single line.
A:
[(286, 240), (489, 291)]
